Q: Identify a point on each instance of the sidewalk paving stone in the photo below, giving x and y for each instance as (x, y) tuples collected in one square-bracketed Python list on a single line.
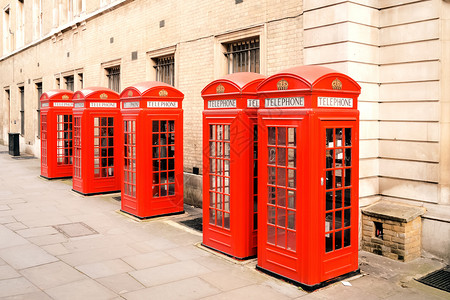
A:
[(226, 281), (105, 268), (121, 283), (97, 255), (6, 272), (190, 288), (168, 273), (52, 275), (16, 286), (15, 226), (55, 249), (187, 252), (25, 256), (251, 292), (48, 239), (7, 219), (81, 290), (149, 260), (30, 296), (37, 231), (8, 238)]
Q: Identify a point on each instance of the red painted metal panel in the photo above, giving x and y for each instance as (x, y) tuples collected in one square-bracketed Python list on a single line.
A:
[(97, 141), (56, 134), (153, 142), (230, 164), (308, 176)]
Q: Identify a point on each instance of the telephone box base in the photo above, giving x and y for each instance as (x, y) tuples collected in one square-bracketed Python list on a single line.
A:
[(307, 287), (155, 216), (229, 255), (52, 178), (93, 194)]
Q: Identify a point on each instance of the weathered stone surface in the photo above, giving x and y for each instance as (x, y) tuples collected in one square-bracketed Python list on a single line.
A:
[(393, 211)]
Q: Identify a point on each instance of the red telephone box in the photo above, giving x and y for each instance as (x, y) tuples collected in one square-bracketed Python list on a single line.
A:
[(97, 124), (56, 134), (308, 175), (230, 164), (153, 150)]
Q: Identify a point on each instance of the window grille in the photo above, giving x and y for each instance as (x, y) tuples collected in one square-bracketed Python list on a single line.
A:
[(113, 75), (69, 82), (243, 56), (165, 69), (38, 111), (22, 110)]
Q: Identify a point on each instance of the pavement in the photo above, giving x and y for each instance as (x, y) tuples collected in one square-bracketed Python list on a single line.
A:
[(57, 244)]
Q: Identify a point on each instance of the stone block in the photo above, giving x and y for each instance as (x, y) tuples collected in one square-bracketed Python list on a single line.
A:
[(398, 240), (377, 241), (399, 252), (391, 255), (387, 232)]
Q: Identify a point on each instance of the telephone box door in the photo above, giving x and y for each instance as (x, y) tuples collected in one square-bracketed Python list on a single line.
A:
[(339, 196), (280, 212)]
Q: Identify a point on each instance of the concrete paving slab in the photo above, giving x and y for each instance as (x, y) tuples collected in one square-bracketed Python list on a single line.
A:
[(7, 272), (169, 273), (52, 275), (149, 260), (214, 264), (96, 241), (252, 292), (4, 207), (37, 231), (105, 268), (48, 239), (97, 255), (167, 261), (81, 290), (16, 286), (29, 296), (41, 219), (190, 288), (25, 256), (161, 243), (55, 249), (121, 283), (14, 226), (10, 239), (283, 287), (7, 219), (226, 281), (187, 252)]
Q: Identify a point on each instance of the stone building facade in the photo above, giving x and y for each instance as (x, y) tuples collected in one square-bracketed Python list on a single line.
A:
[(397, 50)]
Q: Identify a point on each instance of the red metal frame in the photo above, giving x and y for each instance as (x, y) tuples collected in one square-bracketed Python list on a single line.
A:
[(56, 134), (153, 142), (97, 135), (308, 202), (230, 164)]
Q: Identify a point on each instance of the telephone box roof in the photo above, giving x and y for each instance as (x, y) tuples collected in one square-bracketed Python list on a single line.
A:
[(151, 89), (57, 94), (311, 78), (97, 93), (241, 82)]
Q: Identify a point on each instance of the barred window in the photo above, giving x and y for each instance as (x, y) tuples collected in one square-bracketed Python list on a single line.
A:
[(165, 69), (113, 75), (22, 110), (38, 111), (69, 80), (243, 56)]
